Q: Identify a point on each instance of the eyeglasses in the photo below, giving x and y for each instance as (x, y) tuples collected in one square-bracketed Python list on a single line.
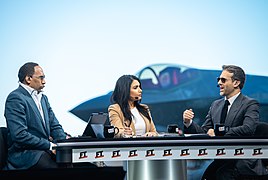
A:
[(223, 80), (40, 77)]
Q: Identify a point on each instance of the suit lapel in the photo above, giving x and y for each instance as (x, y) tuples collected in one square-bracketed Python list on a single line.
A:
[(238, 103), (34, 107), (45, 111), (37, 112), (217, 111)]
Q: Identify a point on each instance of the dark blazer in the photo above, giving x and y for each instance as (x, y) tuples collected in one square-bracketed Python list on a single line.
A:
[(242, 120), (242, 117), (28, 136)]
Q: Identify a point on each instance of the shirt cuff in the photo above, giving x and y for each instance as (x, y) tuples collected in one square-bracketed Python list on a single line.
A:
[(187, 124), (50, 148)]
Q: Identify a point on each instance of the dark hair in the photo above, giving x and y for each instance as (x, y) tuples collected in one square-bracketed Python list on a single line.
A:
[(121, 96), (26, 70), (238, 73)]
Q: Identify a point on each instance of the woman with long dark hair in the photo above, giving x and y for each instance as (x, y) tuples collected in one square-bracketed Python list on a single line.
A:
[(126, 111)]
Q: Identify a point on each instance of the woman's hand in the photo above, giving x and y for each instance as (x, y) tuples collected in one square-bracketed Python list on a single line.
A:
[(149, 134), (128, 132)]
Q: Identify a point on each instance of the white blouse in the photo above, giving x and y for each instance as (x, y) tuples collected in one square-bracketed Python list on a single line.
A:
[(138, 122)]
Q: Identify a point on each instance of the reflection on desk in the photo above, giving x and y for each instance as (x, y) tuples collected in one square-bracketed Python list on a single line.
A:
[(197, 135)]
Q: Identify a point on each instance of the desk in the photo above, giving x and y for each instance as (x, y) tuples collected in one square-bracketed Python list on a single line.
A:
[(108, 173), (160, 148)]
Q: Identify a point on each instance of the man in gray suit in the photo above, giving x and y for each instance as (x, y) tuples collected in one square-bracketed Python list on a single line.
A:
[(241, 120), (31, 122)]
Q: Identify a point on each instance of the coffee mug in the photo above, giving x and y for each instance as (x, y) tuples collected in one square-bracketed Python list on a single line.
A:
[(173, 128), (220, 129), (110, 131)]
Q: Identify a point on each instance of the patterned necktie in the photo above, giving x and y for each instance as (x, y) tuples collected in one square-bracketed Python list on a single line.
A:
[(224, 111)]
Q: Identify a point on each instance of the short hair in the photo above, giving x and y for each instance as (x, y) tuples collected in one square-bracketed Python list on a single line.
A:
[(26, 70), (238, 73)]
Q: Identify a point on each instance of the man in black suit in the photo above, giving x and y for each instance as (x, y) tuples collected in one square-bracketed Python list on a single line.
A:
[(241, 120), (31, 123)]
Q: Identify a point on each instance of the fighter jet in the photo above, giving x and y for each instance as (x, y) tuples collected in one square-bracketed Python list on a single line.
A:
[(169, 89)]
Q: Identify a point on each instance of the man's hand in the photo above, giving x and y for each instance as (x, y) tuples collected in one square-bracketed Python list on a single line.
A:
[(53, 150), (211, 132), (188, 115), (68, 135)]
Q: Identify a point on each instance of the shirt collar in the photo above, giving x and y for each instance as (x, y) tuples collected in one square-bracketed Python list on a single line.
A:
[(232, 99), (31, 90)]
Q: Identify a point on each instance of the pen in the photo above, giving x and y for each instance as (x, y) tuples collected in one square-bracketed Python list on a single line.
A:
[(126, 124)]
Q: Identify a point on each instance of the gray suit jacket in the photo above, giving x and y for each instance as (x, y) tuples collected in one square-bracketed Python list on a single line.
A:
[(28, 136), (242, 120)]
